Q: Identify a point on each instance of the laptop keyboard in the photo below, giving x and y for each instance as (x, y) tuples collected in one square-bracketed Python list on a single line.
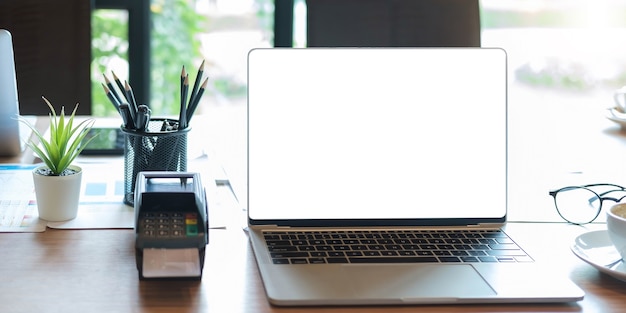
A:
[(402, 246)]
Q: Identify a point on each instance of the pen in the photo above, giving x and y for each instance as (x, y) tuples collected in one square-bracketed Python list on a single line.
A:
[(127, 118), (143, 117)]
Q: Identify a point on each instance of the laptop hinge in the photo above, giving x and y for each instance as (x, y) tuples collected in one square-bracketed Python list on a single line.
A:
[(487, 225), (273, 226)]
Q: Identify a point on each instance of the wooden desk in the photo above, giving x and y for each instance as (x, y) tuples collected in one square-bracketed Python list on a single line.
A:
[(94, 271)]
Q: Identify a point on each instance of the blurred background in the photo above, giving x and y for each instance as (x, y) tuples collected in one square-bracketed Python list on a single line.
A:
[(568, 47)]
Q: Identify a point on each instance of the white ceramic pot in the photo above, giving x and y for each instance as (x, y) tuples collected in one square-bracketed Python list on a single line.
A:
[(57, 196)]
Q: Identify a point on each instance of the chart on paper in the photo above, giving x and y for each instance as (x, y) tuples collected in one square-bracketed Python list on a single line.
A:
[(100, 203), (18, 212)]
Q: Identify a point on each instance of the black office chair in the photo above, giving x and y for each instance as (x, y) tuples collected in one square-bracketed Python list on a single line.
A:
[(52, 47), (385, 23)]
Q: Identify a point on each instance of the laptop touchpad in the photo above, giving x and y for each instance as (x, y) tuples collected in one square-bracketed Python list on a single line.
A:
[(418, 282)]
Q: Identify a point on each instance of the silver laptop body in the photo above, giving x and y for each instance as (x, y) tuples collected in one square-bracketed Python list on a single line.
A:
[(364, 139), (9, 126)]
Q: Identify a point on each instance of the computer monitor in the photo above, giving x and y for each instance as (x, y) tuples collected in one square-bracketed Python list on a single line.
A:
[(9, 109)]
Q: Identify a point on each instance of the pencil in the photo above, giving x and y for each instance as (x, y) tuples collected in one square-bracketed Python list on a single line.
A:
[(112, 97), (183, 73), (194, 105), (183, 96), (196, 83), (131, 98), (182, 121), (112, 89), (120, 86)]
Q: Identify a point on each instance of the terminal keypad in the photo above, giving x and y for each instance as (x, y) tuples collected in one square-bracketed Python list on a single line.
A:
[(168, 224)]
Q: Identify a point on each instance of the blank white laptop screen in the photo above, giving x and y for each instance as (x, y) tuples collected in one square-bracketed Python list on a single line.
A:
[(363, 133)]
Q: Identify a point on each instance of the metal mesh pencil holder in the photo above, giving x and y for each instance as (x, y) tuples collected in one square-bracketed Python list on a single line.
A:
[(160, 147)]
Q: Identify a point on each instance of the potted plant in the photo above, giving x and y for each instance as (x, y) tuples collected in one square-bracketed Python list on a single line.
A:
[(57, 182)]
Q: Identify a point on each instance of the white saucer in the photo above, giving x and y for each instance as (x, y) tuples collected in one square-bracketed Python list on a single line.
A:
[(619, 121), (596, 249), (618, 116)]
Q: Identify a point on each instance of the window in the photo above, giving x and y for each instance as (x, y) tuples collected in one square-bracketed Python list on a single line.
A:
[(565, 60), (109, 40), (185, 32)]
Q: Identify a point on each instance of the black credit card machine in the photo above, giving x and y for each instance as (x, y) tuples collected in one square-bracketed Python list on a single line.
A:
[(171, 225)]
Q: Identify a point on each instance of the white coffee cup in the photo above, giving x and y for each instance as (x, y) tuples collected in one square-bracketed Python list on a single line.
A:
[(616, 225), (619, 96)]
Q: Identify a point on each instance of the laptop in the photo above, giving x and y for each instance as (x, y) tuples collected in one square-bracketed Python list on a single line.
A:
[(9, 126), (374, 173)]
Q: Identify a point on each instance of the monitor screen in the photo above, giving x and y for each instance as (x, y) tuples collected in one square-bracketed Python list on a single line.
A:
[(9, 125)]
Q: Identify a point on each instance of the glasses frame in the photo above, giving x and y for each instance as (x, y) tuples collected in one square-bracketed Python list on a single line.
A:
[(601, 196)]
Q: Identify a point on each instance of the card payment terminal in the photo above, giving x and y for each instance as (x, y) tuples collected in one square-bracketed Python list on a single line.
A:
[(171, 225)]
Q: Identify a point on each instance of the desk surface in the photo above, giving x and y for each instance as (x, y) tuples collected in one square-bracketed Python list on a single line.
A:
[(94, 271)]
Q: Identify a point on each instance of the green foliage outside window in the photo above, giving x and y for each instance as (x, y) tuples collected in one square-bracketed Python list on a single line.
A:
[(173, 42)]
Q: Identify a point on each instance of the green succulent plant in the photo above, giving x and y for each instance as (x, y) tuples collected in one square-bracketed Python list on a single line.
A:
[(65, 143)]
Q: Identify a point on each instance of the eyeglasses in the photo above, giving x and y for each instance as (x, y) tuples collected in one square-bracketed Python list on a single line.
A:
[(581, 205)]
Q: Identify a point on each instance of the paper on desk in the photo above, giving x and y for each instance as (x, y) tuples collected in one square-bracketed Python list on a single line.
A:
[(17, 187), (102, 192), (101, 203), (18, 212), (95, 216)]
